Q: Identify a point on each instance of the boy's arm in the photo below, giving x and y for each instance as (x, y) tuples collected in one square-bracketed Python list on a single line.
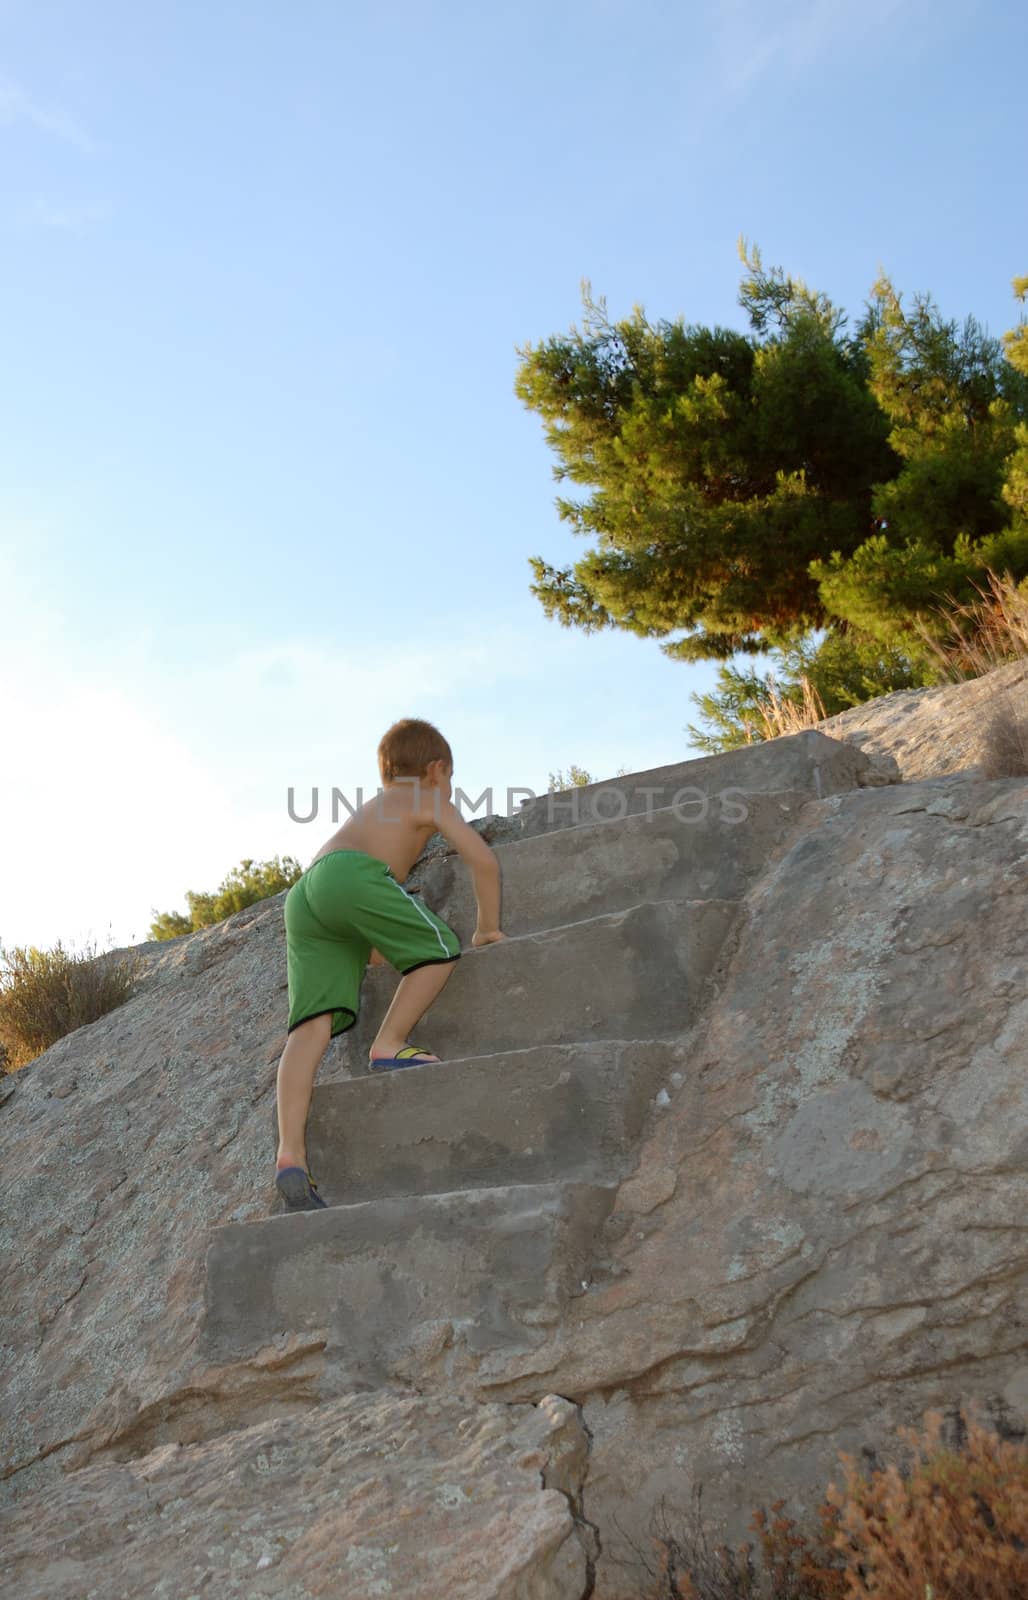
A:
[(485, 869)]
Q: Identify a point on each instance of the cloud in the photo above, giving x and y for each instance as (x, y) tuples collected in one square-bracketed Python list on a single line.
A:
[(62, 218), (108, 815), (750, 39), (105, 812), (132, 779), (140, 764), (300, 714), (17, 105)]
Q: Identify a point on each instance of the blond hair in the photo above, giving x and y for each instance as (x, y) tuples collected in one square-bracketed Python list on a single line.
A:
[(406, 748)]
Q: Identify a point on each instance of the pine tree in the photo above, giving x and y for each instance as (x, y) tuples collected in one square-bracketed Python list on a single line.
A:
[(721, 464)]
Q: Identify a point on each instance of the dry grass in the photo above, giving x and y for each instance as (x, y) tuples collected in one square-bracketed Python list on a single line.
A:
[(779, 715), (978, 637), (45, 994), (953, 1525), (988, 633), (1003, 742)]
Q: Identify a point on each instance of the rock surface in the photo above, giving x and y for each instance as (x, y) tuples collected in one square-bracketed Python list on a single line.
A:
[(930, 732), (826, 1231), (812, 1231), (364, 1497)]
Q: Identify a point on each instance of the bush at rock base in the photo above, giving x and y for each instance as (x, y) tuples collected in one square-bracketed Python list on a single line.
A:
[(953, 1525), (45, 994)]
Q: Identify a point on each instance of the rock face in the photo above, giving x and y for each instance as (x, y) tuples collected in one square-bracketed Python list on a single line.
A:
[(930, 732), (372, 1495), (724, 1172)]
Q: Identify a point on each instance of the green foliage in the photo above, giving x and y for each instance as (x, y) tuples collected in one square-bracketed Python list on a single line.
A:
[(577, 778), (842, 668), (1015, 343), (747, 491), (721, 464), (933, 379), (847, 668), (887, 591), (956, 408), (244, 886), (731, 711), (45, 994)]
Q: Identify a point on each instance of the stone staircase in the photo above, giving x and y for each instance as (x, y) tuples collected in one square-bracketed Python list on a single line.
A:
[(467, 1201)]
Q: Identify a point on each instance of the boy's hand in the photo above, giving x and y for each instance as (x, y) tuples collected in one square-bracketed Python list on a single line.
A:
[(376, 959), (478, 938)]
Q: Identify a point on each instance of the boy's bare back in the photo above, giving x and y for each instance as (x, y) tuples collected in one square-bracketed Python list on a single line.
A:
[(394, 826)]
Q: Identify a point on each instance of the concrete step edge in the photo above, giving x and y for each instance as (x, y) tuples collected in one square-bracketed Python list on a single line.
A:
[(514, 842), (576, 1046), (663, 813), (612, 917), (439, 1199)]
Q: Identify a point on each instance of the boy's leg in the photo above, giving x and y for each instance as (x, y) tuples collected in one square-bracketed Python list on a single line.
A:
[(301, 1057), (412, 999)]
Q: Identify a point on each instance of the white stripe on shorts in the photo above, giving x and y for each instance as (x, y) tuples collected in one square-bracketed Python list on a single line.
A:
[(423, 913)]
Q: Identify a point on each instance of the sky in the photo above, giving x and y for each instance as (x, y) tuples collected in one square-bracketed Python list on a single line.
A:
[(265, 485)]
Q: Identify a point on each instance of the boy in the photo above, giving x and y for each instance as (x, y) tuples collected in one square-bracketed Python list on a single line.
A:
[(348, 906)]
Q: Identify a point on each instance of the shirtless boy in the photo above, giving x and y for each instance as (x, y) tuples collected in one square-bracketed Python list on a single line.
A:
[(349, 906)]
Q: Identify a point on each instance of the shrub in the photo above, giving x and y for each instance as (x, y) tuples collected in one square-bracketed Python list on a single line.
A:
[(986, 633), (954, 1528), (244, 886), (577, 778), (951, 1526), (45, 994), (843, 668), (689, 1566)]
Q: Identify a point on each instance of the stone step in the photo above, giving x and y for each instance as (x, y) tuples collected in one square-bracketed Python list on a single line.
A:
[(709, 849), (636, 974), (522, 1116), (391, 1280), (809, 762)]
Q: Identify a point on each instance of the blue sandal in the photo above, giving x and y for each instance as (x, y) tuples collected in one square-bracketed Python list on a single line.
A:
[(298, 1190), (402, 1058)]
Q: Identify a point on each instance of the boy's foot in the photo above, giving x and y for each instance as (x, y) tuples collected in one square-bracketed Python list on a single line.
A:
[(409, 1056), (298, 1190)]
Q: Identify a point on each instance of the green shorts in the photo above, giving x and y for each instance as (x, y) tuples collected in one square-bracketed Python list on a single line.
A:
[(346, 904)]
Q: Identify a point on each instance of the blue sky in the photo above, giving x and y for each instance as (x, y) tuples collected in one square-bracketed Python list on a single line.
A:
[(266, 485)]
